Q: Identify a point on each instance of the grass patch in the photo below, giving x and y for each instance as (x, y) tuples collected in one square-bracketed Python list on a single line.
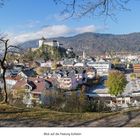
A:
[(45, 115)]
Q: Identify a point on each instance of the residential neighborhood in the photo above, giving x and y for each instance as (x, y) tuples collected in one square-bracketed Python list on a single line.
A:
[(69, 63), (30, 81)]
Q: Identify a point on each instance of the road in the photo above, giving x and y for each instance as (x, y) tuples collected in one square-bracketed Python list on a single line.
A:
[(129, 119)]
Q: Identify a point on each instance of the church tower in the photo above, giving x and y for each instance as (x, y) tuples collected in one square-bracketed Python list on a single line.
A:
[(84, 55)]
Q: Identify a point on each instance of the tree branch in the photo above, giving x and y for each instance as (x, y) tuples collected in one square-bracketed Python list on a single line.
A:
[(81, 8), (2, 3)]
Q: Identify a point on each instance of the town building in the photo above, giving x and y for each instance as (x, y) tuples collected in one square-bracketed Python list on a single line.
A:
[(29, 72), (33, 86), (11, 81), (67, 83), (136, 68), (47, 64), (91, 72), (68, 62), (44, 41), (102, 68)]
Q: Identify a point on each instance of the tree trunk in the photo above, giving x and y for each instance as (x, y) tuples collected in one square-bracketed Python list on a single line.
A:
[(5, 87)]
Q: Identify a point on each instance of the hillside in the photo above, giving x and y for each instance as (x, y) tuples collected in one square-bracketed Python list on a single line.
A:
[(96, 43), (11, 116)]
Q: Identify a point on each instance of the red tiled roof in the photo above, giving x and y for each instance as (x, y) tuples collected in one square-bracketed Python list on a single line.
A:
[(40, 84), (16, 78), (50, 79), (19, 84)]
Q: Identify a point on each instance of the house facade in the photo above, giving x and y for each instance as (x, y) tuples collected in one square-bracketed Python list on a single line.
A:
[(136, 68), (11, 81), (35, 87), (102, 68), (67, 83)]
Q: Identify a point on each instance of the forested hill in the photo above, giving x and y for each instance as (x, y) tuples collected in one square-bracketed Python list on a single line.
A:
[(96, 42)]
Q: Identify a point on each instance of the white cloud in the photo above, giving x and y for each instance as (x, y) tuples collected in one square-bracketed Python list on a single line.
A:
[(53, 31), (50, 31), (89, 28)]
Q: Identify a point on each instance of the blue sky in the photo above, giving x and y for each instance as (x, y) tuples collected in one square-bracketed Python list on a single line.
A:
[(31, 19)]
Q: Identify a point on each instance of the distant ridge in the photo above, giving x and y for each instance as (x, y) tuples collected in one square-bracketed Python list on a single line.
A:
[(96, 43)]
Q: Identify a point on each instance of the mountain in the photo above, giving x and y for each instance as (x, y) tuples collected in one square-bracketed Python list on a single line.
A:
[(95, 43)]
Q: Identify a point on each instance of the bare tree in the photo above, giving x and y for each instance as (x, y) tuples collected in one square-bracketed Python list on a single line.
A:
[(80, 8), (3, 63)]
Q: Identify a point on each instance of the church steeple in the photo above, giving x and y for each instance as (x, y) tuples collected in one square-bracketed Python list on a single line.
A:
[(84, 55)]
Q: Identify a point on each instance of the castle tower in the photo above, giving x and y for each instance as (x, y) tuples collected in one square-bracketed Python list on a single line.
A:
[(41, 41)]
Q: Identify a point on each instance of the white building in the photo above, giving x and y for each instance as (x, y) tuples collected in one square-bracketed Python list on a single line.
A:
[(46, 64), (68, 83), (53, 43), (79, 64), (84, 55), (41, 41), (102, 68), (11, 81)]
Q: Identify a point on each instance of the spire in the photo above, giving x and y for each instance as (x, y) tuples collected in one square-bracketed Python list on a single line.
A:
[(84, 55)]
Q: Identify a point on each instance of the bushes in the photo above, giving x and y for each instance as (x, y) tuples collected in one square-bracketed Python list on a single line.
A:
[(76, 103), (53, 100), (70, 102), (73, 102), (97, 106), (133, 76)]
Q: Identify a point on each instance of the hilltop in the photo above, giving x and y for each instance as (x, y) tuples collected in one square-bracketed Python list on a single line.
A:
[(96, 42)]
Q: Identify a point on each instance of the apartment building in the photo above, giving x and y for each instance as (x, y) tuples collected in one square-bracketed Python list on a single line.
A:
[(102, 68), (136, 68)]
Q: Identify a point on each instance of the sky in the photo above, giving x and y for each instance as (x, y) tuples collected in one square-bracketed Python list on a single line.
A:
[(23, 20)]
